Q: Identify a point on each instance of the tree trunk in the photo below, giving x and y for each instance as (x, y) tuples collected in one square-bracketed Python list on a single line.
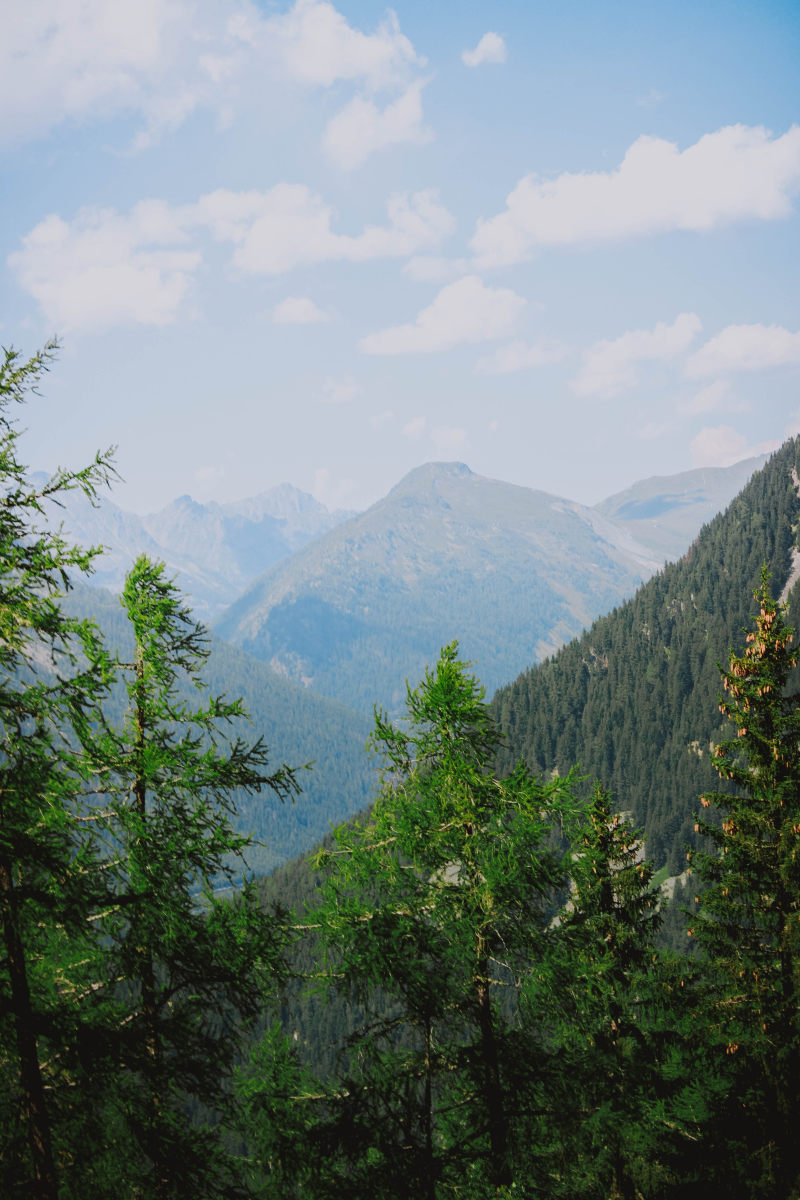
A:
[(492, 1090), (33, 1102)]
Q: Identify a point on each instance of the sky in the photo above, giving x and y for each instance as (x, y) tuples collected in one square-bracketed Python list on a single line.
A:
[(323, 243)]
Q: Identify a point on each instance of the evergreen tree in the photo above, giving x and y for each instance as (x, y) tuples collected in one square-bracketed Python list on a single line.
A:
[(749, 918), (52, 673), (193, 963), (431, 908), (596, 999)]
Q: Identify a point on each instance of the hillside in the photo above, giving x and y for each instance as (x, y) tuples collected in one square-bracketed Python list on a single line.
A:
[(509, 571), (297, 725), (635, 699)]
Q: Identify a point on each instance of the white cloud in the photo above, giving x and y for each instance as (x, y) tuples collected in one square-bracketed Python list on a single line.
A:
[(78, 58), (490, 49), (414, 428), (745, 348), (609, 367), (736, 173), (104, 270), (464, 311), (378, 420), (290, 226), (162, 60), (317, 46), (519, 356), (429, 268), (650, 99), (708, 399), (340, 391), (361, 128), (448, 439), (298, 310), (722, 446)]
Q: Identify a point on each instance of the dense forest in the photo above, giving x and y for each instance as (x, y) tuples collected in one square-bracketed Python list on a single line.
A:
[(466, 994)]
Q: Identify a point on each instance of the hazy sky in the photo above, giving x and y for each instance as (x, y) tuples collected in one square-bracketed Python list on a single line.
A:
[(323, 243)]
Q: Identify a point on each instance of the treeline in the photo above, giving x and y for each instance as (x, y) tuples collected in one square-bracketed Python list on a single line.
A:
[(511, 1027)]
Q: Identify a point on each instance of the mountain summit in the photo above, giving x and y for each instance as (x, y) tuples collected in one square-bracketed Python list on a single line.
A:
[(509, 571)]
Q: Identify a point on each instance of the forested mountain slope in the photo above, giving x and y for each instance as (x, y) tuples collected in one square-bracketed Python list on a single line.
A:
[(297, 725), (635, 699)]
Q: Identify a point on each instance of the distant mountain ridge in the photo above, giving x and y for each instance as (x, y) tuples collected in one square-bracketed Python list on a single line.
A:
[(666, 512), (511, 572), (215, 550)]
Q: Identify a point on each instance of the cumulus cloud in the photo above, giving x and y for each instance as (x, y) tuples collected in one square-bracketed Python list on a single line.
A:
[(490, 49), (298, 310), (431, 268), (103, 269), (163, 59), (290, 226), (519, 356), (463, 312), (723, 446), (709, 398), (745, 348), (340, 391), (736, 173), (414, 428), (361, 127), (609, 367), (317, 46)]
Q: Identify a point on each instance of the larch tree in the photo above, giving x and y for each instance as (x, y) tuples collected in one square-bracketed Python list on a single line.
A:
[(431, 909), (53, 671), (748, 922), (193, 955)]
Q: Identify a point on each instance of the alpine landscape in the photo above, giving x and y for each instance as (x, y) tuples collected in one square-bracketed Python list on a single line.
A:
[(399, 601)]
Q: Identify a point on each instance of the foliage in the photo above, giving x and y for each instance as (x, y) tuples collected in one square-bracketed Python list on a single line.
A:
[(749, 918), (194, 966), (53, 673), (634, 700), (432, 906)]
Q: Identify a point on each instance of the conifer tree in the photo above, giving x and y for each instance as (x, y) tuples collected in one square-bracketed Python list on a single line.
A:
[(749, 918), (52, 673), (596, 997), (193, 964), (433, 905)]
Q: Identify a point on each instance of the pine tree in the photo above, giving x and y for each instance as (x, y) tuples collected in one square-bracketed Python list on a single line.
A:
[(749, 918), (53, 672), (431, 908), (194, 956)]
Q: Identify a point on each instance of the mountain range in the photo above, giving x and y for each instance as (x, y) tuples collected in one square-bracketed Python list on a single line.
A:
[(511, 572)]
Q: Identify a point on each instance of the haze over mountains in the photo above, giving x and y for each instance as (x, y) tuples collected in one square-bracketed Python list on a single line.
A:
[(511, 572), (353, 604)]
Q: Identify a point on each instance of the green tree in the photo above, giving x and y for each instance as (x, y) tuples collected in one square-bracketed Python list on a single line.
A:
[(749, 918), (596, 998), (52, 673), (431, 909), (193, 962)]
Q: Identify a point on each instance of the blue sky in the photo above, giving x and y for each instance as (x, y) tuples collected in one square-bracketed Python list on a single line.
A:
[(323, 243)]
